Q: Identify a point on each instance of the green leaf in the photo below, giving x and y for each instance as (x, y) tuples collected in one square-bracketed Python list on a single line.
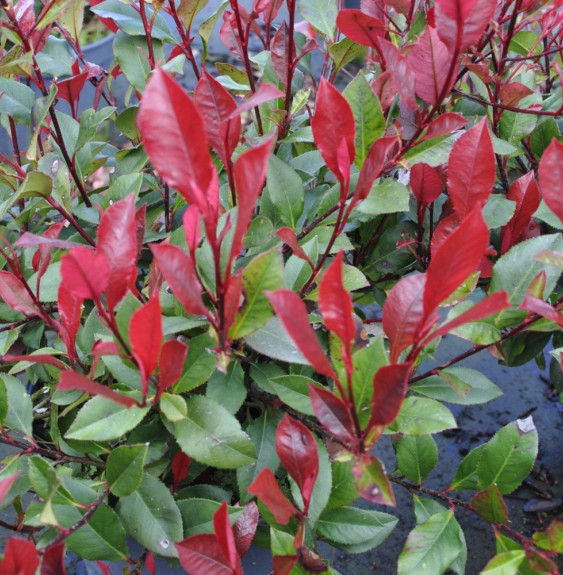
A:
[(211, 435), (490, 505), (20, 408), (173, 407), (3, 401), (272, 341), (514, 271), (343, 491), (355, 530), (432, 546), (416, 457), (16, 101), (321, 14), (126, 122), (546, 130), (421, 416), (387, 196), (509, 456), (151, 516), (294, 391), (498, 211), (101, 419), (460, 385), (228, 389), (344, 51), (505, 563), (200, 364), (513, 127), (206, 28), (433, 152), (467, 476), (90, 121), (286, 191), (373, 483), (264, 272), (368, 116), (197, 515), (125, 469)]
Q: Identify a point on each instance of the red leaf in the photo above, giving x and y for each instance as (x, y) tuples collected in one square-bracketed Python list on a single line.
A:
[(360, 27), (117, 240), (105, 569), (293, 314), (373, 167), (71, 380), (6, 484), (14, 294), (192, 228), (461, 23), (43, 254), (269, 8), (233, 298), (226, 538), (140, 227), (287, 236), (333, 122), (389, 390), (69, 89), (250, 174), (180, 468), (182, 158), (244, 528), (264, 93), (447, 270), (551, 175), (105, 348), (430, 60), (217, 106), (85, 273), (335, 303), (443, 230), (333, 415), (40, 358), (297, 449), (426, 184), (540, 307), (107, 22), (284, 564), (403, 313), (150, 564), (402, 73), (145, 335), (29, 240), (510, 94), (471, 169), (445, 124), (70, 311), (526, 193), (486, 307), (53, 562), (172, 358), (202, 555), (178, 270), (279, 52), (266, 488), (20, 558)]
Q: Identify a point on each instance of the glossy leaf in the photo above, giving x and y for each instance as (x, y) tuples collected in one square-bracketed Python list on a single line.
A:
[(288, 237), (70, 380), (13, 292), (125, 469), (180, 468), (85, 273), (53, 562), (425, 183), (20, 557), (372, 482), (421, 416), (360, 27), (401, 72), (416, 457), (550, 176), (490, 505), (373, 167), (225, 537), (244, 528), (266, 488), (172, 358), (70, 311), (389, 390), (445, 124), (286, 191), (202, 555)]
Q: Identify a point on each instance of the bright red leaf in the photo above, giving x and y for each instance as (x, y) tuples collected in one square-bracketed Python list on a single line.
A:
[(107, 22), (71, 380), (426, 184), (293, 314), (5, 485), (297, 449), (29, 240), (360, 27), (389, 390), (202, 555), (150, 563), (264, 93), (70, 311), (145, 335), (42, 256), (178, 270), (182, 157), (41, 358), (471, 169), (543, 308), (53, 562), (244, 528), (192, 228), (268, 8), (373, 167), (180, 468), (333, 122), (172, 357), (105, 348), (118, 242), (14, 294), (551, 175), (20, 558), (226, 538), (284, 564), (266, 488), (445, 124), (402, 73), (287, 236), (85, 273)]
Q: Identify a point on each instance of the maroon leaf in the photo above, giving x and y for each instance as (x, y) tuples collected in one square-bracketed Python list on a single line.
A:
[(145, 335), (268, 8), (117, 240), (202, 555), (490, 505), (389, 390), (172, 358), (447, 270), (70, 311), (178, 270), (402, 73), (69, 89), (182, 158), (41, 358), (333, 123), (403, 313), (140, 227), (335, 303), (372, 482), (85, 273), (279, 52), (510, 94), (333, 415), (14, 294), (540, 307), (20, 558), (6, 484), (293, 314), (42, 257), (551, 175), (266, 488), (445, 124), (284, 564), (373, 167), (360, 27), (217, 106), (430, 61), (53, 562), (471, 169), (426, 184), (180, 468), (71, 380), (264, 93), (287, 236), (250, 174), (297, 449), (526, 194), (244, 528), (192, 228), (226, 538)]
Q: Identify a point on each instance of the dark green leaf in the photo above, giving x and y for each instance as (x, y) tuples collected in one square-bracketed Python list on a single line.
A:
[(197, 515), (20, 408), (286, 192), (421, 416), (416, 457), (228, 389), (125, 469), (490, 505)]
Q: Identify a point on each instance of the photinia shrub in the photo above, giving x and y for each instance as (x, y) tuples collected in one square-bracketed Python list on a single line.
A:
[(219, 284)]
